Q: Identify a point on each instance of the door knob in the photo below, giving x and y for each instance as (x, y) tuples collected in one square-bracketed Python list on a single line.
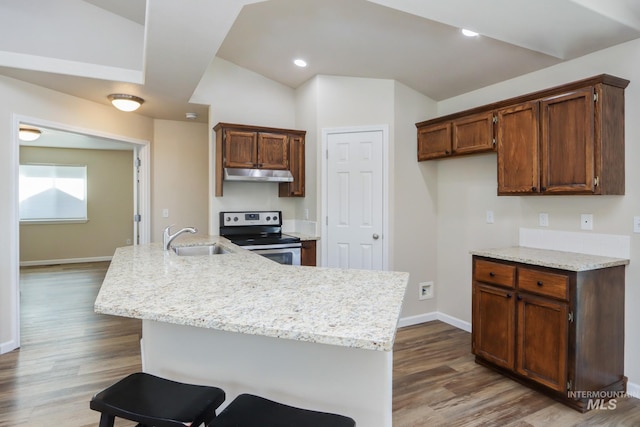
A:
[(375, 236)]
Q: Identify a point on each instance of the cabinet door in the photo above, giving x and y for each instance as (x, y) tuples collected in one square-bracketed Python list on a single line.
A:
[(473, 134), (542, 341), (568, 143), (297, 168), (518, 149), (273, 151), (434, 141), (240, 148), (308, 253), (493, 325)]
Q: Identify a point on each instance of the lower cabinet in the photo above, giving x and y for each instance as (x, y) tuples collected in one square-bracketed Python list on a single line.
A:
[(308, 253), (559, 332)]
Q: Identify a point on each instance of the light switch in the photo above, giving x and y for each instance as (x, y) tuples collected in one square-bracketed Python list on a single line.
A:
[(165, 213), (636, 224)]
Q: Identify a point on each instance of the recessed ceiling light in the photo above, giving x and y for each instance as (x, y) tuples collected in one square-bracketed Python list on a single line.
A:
[(300, 62), (469, 33)]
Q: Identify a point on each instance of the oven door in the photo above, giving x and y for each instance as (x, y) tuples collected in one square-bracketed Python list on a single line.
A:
[(283, 255)]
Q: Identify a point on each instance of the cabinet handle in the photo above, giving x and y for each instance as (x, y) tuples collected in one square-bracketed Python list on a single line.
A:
[(539, 282), (533, 188), (543, 189), (491, 273), (447, 152), (508, 295), (519, 298)]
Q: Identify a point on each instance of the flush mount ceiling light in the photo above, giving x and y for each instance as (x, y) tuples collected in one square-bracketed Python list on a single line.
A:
[(300, 62), (124, 102), (28, 134), (469, 33)]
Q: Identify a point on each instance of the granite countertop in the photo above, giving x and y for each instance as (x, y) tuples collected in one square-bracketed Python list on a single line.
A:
[(570, 261), (303, 237), (247, 293)]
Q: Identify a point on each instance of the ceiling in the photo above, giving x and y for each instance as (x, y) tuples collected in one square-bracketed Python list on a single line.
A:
[(160, 49)]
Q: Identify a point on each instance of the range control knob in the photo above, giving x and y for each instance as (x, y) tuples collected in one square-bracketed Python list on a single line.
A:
[(235, 218), (268, 218), (228, 219), (275, 217)]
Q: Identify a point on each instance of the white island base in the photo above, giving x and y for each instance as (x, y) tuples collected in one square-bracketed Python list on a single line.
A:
[(344, 380)]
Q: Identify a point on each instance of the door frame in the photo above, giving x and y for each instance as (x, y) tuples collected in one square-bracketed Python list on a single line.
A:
[(386, 238), (142, 196)]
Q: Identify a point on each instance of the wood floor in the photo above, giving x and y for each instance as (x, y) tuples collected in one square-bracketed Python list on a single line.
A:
[(69, 353)]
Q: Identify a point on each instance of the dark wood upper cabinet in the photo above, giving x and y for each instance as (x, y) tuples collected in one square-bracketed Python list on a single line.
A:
[(438, 139), (245, 149), (563, 140), (568, 142), (518, 148), (256, 147), (240, 149), (296, 188)]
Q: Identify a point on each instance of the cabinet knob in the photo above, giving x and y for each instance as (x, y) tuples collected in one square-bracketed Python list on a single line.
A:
[(447, 152), (491, 273), (533, 188), (519, 298), (543, 189), (508, 295), (539, 282)]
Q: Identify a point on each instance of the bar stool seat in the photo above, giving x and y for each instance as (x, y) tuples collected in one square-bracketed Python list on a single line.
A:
[(154, 401), (248, 410)]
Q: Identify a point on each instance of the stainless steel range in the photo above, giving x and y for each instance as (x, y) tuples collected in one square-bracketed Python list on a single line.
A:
[(261, 232)]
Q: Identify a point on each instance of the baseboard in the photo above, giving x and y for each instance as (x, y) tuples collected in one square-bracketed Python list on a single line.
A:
[(64, 261), (7, 346), (416, 320), (633, 390), (430, 317)]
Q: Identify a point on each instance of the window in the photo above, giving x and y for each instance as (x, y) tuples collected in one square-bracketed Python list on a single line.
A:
[(53, 193)]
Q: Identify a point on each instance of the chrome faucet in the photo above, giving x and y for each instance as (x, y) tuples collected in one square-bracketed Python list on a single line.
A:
[(167, 238)]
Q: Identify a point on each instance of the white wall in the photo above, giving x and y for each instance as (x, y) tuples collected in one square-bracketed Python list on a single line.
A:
[(414, 188), (237, 95), (26, 100), (467, 188)]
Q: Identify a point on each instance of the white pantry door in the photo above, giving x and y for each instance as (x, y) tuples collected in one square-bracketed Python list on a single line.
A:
[(354, 200)]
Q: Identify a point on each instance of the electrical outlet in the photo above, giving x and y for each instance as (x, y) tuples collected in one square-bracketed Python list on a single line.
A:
[(489, 217), (636, 224), (586, 221), (165, 213), (426, 290), (128, 241), (543, 219)]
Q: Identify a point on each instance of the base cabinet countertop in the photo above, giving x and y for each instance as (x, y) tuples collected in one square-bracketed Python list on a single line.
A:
[(306, 336), (551, 320)]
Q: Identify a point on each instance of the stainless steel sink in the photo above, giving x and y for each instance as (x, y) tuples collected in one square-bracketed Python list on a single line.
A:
[(203, 250)]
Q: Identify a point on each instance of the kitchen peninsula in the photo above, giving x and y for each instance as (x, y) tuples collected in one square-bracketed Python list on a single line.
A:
[(311, 337)]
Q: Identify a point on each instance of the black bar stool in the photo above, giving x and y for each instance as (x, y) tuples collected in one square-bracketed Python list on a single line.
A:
[(155, 401), (248, 410)]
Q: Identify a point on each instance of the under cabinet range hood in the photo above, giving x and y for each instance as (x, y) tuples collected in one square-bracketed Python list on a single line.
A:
[(257, 175)]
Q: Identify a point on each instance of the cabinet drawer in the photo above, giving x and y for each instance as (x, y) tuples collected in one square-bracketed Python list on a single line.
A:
[(494, 272), (543, 283)]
